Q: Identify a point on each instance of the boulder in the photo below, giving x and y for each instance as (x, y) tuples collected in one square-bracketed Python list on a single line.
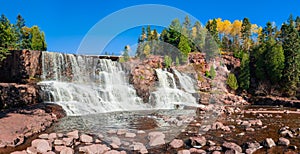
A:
[(74, 134), (130, 135), (269, 143), (232, 146), (86, 138), (67, 150), (41, 145), (94, 148), (283, 141), (156, 138), (198, 140), (176, 143)]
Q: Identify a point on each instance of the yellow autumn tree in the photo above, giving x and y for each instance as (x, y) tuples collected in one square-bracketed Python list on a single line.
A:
[(236, 28)]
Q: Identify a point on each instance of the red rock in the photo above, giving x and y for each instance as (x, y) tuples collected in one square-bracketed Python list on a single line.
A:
[(156, 138), (176, 143), (86, 138), (67, 150), (73, 134), (41, 145)]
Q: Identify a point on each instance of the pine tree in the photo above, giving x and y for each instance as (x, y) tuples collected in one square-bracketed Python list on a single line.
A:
[(210, 47), (184, 47), (18, 30), (244, 76), (291, 46), (37, 39), (211, 26), (246, 33)]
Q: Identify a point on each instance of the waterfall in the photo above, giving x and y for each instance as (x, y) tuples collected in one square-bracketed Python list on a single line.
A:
[(86, 85), (168, 96)]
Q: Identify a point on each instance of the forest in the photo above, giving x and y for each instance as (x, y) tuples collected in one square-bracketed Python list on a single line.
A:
[(18, 36), (269, 55)]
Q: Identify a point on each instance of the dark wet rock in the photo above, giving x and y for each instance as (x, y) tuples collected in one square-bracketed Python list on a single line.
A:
[(215, 148), (250, 129), (283, 141), (184, 152), (86, 138), (176, 143), (269, 143), (41, 145), (156, 138), (74, 134), (217, 125), (198, 140), (231, 151), (67, 150), (287, 133), (211, 143), (94, 148), (232, 146)]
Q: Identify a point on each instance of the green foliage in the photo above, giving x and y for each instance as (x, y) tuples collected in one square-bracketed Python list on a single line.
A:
[(244, 76), (212, 72), (125, 56), (38, 39), (246, 33), (211, 26), (168, 61), (232, 82), (184, 47), (211, 47), (177, 62)]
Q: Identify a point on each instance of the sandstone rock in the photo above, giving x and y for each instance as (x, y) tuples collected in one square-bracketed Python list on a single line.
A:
[(211, 143), (112, 152), (176, 143), (283, 141), (73, 134), (116, 141), (52, 136), (68, 141), (215, 148), (60, 135), (58, 142), (232, 146), (67, 150), (141, 132), (156, 138), (250, 151), (100, 136), (250, 129), (216, 152), (94, 148), (19, 152), (43, 136), (59, 148), (31, 150), (41, 145), (183, 152), (269, 143), (198, 140), (194, 150), (86, 138), (231, 151), (49, 152), (287, 133), (114, 146), (121, 131), (130, 135), (111, 131)]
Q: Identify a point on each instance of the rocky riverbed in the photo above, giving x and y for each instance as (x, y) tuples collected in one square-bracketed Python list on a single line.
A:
[(241, 129)]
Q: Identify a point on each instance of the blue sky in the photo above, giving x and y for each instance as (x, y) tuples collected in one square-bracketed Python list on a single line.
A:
[(66, 22)]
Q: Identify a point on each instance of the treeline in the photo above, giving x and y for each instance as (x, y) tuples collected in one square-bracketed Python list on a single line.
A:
[(18, 36), (270, 56)]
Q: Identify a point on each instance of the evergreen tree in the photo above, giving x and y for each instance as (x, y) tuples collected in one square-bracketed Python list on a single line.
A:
[(246, 33), (210, 47), (291, 46), (149, 34), (18, 30), (186, 26), (211, 26), (244, 76)]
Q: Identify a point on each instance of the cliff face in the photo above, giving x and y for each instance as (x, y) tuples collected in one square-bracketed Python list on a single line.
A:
[(18, 74), (20, 66)]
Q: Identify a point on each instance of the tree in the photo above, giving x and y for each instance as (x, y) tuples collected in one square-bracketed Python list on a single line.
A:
[(7, 35), (126, 53), (38, 39), (147, 50), (232, 82), (184, 47), (168, 61), (149, 34), (244, 77), (210, 47), (291, 46), (18, 30), (211, 26), (246, 33), (186, 26)]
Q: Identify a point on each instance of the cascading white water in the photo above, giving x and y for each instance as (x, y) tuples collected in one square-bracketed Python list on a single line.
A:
[(85, 85), (186, 82), (168, 96)]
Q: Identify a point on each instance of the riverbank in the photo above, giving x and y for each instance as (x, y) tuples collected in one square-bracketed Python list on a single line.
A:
[(17, 125)]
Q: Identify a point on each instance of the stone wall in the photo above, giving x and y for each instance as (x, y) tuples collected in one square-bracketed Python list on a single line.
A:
[(18, 75), (16, 95), (21, 66)]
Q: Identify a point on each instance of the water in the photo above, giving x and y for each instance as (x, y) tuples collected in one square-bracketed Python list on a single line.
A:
[(88, 85), (168, 96)]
